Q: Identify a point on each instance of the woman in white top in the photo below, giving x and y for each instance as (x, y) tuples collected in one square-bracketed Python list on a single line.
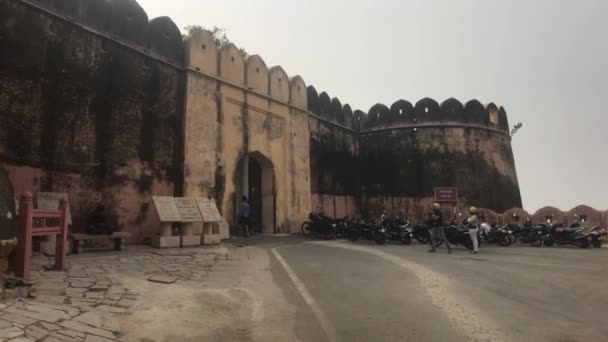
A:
[(473, 223)]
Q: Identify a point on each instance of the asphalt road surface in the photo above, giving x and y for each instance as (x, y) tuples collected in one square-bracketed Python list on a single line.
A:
[(363, 292)]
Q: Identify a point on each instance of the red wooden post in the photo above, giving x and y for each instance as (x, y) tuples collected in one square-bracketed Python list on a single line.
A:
[(24, 237), (62, 238)]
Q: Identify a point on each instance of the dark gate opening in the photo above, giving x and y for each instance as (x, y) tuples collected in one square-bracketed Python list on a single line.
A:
[(255, 195)]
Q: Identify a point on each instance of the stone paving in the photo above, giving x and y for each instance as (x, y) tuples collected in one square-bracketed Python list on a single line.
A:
[(85, 303)]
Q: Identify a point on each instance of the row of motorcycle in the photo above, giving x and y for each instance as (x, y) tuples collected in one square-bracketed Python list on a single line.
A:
[(395, 229)]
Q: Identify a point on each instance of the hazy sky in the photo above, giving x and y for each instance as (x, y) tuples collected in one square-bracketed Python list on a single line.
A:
[(545, 61)]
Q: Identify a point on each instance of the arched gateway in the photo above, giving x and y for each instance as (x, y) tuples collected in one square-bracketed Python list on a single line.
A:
[(255, 178)]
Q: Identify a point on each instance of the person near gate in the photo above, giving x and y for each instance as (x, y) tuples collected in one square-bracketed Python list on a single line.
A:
[(245, 216), (437, 230)]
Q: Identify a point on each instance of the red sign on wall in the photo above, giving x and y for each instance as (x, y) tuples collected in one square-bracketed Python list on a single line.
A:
[(446, 195)]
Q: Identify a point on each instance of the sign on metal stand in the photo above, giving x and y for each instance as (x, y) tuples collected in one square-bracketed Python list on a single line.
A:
[(32, 222)]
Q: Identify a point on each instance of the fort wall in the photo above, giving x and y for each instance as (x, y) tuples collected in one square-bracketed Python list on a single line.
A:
[(113, 108), (90, 102)]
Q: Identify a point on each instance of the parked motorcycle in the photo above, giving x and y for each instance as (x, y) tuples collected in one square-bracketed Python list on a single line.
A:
[(342, 227), (319, 225), (397, 229), (531, 234), (496, 234), (457, 233), (371, 230), (421, 233), (574, 235)]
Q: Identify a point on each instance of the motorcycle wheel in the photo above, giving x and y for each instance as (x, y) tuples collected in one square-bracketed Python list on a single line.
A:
[(422, 239), (504, 241), (584, 244), (536, 242), (597, 244), (380, 239), (306, 227), (406, 240), (354, 235), (549, 243), (512, 239)]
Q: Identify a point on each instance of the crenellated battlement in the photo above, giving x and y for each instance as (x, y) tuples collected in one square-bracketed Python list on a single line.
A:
[(331, 109), (227, 63), (403, 113), (126, 21)]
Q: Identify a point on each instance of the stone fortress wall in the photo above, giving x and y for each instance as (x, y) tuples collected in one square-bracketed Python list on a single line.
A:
[(111, 107), (90, 104)]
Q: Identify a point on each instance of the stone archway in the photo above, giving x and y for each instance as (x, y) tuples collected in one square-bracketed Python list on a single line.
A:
[(255, 178)]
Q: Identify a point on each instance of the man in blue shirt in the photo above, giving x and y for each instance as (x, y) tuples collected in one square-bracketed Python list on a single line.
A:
[(244, 216)]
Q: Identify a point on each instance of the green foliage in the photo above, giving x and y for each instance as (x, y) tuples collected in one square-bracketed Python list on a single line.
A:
[(219, 35)]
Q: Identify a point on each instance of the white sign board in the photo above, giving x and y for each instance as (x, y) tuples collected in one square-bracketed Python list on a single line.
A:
[(50, 201), (166, 209), (209, 210), (188, 210)]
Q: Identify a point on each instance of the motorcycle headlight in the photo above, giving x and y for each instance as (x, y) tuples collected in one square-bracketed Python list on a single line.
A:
[(333, 225), (382, 230), (411, 235), (510, 232)]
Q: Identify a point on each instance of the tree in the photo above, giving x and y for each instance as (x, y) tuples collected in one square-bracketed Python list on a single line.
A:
[(218, 33)]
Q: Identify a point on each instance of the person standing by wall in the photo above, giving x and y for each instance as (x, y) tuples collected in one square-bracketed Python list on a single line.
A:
[(245, 216), (473, 224), (437, 230)]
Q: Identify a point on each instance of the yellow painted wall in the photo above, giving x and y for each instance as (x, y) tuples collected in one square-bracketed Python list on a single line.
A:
[(236, 107)]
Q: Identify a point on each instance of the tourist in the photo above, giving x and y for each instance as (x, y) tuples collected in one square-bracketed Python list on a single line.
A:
[(437, 230), (98, 222), (473, 224)]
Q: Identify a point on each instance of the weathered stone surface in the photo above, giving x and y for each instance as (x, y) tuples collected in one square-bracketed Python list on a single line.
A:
[(114, 297), (39, 306), (115, 289), (93, 338), (127, 303), (77, 273), (98, 319), (22, 339), (49, 326), (80, 284), (41, 314), (51, 299), (18, 319), (75, 290), (11, 332), (94, 295), (98, 288), (77, 326), (163, 279), (35, 332), (56, 336), (70, 333), (4, 324), (51, 286), (112, 309), (52, 338)]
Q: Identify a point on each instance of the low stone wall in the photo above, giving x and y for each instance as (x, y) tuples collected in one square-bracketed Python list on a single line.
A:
[(591, 216)]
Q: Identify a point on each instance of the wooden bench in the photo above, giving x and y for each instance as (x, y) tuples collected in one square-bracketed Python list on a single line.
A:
[(77, 241)]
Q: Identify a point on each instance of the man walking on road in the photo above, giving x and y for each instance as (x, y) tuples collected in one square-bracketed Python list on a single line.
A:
[(437, 232)]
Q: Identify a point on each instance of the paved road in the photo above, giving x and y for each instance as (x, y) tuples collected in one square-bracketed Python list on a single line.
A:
[(363, 292)]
